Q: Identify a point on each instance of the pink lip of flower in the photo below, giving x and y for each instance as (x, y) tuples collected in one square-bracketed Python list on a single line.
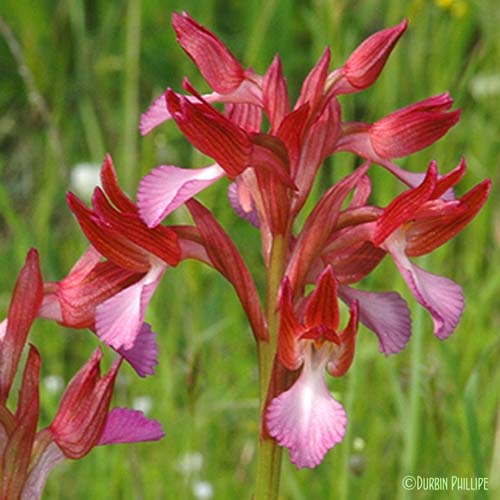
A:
[(306, 419), (116, 231), (83, 420)]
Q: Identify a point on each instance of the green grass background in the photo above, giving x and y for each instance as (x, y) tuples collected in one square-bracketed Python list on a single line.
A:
[(75, 89)]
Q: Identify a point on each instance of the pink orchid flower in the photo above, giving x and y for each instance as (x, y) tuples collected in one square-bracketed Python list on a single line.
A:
[(415, 223), (306, 419), (116, 231), (83, 420), (73, 302)]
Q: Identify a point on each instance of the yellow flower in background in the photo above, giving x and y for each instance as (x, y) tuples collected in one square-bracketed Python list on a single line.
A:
[(457, 8)]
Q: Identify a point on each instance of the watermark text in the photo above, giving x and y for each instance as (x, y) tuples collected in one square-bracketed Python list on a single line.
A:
[(444, 483)]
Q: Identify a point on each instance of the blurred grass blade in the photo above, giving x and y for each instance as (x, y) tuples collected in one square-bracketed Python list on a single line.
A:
[(495, 461), (129, 163), (86, 108), (412, 423), (470, 401)]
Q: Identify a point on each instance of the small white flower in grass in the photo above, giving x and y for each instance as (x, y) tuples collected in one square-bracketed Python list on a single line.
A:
[(203, 490), (485, 86), (53, 383), (358, 444), (142, 403), (190, 463), (84, 178)]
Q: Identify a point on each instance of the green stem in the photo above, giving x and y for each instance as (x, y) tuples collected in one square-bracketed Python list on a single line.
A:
[(268, 470), (269, 453), (343, 480), (267, 350)]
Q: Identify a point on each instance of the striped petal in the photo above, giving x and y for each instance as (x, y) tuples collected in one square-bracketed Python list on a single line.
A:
[(129, 426), (157, 113), (442, 297), (143, 355), (119, 319), (385, 313), (167, 187)]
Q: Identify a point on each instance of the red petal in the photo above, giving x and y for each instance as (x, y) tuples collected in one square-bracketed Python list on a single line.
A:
[(322, 306), (449, 180), (344, 354), (28, 404), (160, 240), (79, 388), (275, 94), (361, 193), (314, 85), (23, 309), (216, 63), (211, 132), (107, 241), (290, 132), (84, 408), (79, 295), (289, 330), (228, 261), (367, 61), (426, 235), (270, 163), (111, 187), (404, 206), (318, 143), (352, 264), (318, 227), (17, 451), (245, 115), (414, 127)]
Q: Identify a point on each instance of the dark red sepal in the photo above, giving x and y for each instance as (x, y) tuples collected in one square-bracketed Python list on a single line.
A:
[(84, 408), (23, 309), (17, 453), (227, 260), (404, 206)]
